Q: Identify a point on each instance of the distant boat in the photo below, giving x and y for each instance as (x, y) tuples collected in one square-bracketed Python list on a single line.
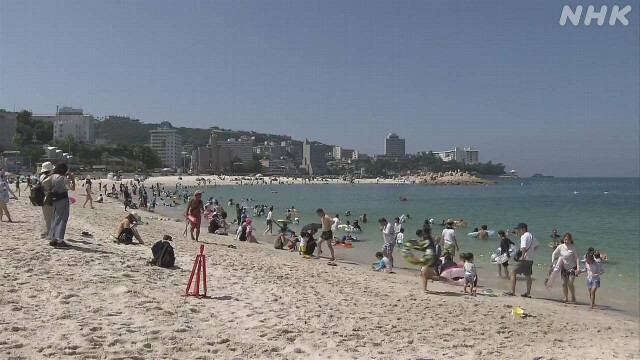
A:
[(541, 176), (511, 175)]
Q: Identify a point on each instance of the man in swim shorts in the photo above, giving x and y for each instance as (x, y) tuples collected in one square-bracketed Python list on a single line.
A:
[(450, 241), (194, 214), (327, 234), (528, 246)]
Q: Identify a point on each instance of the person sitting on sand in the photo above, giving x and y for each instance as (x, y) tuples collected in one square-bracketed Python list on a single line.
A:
[(292, 241), (383, 263), (100, 199), (447, 263), (126, 231), (249, 232)]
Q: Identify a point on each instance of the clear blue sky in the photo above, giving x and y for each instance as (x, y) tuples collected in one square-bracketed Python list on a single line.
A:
[(501, 76)]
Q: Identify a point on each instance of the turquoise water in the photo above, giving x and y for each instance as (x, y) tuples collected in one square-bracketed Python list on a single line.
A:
[(609, 222)]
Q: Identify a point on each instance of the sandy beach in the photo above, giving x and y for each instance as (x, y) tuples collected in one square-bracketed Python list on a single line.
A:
[(99, 300)]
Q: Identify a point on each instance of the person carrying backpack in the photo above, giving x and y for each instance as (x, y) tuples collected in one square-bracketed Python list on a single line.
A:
[(39, 193)]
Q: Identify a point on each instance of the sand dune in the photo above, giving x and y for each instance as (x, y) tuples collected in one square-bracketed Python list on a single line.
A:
[(99, 300)]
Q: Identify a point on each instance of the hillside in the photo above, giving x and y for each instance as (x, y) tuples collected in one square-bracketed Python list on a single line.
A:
[(135, 132)]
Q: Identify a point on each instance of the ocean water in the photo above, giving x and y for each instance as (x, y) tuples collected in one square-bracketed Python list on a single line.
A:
[(603, 213)]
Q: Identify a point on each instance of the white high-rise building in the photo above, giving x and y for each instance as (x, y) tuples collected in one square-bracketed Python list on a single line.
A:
[(394, 146), (74, 122), (464, 155), (167, 143)]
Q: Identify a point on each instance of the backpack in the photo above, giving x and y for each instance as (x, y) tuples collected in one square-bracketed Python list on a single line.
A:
[(37, 195), (163, 254), (126, 237)]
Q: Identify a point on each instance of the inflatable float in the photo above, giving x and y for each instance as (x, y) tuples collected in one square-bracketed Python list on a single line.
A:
[(345, 228), (416, 253), (497, 258), (553, 273), (475, 233), (455, 275), (402, 198)]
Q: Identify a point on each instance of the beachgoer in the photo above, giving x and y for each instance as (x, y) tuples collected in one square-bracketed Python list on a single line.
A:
[(292, 241), (470, 274), (447, 263), (363, 218), (194, 214), (400, 238), (47, 206), (528, 247), (569, 254), (383, 263), (269, 222), (450, 241), (238, 215), (356, 226), (396, 226), (429, 270), (249, 233), (126, 229), (326, 235), (389, 238), (5, 195), (556, 238), (505, 244), (594, 269), (60, 184), (335, 223), (87, 192), (18, 185), (483, 234)]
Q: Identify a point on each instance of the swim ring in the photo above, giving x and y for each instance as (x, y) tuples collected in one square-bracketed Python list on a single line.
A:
[(416, 253)]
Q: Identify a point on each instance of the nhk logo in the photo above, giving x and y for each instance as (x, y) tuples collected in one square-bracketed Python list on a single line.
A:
[(615, 15)]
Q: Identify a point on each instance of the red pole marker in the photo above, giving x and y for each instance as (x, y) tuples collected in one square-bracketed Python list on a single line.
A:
[(199, 267)]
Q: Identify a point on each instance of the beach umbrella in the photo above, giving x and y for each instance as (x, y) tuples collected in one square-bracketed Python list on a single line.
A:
[(313, 227)]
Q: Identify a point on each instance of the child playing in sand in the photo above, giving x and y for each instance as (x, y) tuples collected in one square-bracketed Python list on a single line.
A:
[(469, 274), (593, 269), (383, 263)]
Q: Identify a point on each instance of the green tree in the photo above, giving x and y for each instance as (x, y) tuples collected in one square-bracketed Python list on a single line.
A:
[(17, 140)]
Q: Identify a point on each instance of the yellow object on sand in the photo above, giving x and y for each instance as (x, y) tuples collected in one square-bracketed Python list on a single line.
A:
[(517, 311)]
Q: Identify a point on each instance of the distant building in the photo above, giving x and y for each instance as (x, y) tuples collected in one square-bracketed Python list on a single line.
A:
[(357, 155), (167, 143), (278, 166), (313, 158), (212, 158), (50, 118), (74, 122), (9, 126), (241, 148), (394, 146), (340, 153), (464, 155)]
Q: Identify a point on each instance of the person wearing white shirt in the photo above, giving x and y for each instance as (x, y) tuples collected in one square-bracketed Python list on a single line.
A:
[(450, 241), (336, 222), (528, 246), (568, 254), (389, 237)]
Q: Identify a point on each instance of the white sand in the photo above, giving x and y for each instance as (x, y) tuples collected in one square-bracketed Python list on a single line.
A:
[(99, 300)]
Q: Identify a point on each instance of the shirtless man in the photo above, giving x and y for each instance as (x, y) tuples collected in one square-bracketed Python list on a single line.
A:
[(327, 235), (194, 214)]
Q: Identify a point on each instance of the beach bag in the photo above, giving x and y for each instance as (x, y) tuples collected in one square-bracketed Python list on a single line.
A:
[(163, 254), (37, 195)]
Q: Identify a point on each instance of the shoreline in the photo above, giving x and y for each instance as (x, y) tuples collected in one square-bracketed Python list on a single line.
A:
[(99, 299)]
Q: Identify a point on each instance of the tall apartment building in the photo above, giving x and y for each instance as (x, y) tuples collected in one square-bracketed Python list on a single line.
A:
[(394, 146), (464, 155), (167, 143), (9, 126), (74, 122), (241, 148), (313, 158)]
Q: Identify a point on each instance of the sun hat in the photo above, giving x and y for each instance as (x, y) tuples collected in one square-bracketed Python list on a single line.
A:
[(136, 216), (47, 166)]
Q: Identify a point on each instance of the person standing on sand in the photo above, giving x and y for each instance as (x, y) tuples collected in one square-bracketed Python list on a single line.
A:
[(528, 246), (450, 241), (569, 254), (47, 207), (87, 192), (389, 237), (269, 222), (194, 214), (60, 184), (5, 195), (505, 244), (326, 235)]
